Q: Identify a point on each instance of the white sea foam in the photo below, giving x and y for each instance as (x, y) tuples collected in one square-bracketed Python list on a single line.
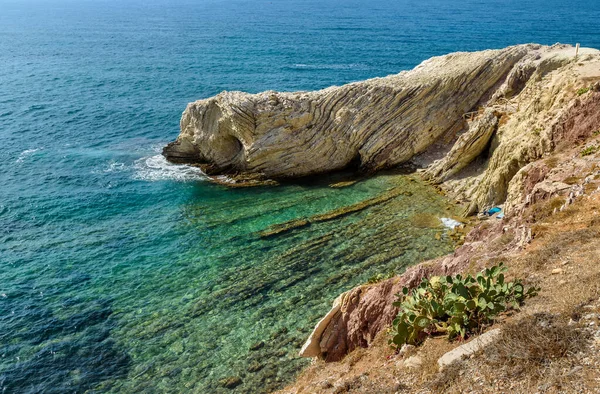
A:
[(157, 168), (115, 166), (26, 153), (329, 66), (450, 223)]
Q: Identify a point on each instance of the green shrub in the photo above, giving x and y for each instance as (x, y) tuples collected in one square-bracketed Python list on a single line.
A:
[(589, 150), (455, 306), (582, 91)]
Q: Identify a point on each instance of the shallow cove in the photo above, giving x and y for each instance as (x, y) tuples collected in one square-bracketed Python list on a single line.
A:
[(178, 305), (195, 321), (119, 273)]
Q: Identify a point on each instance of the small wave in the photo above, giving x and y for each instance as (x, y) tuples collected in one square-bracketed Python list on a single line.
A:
[(26, 153), (157, 168), (328, 66)]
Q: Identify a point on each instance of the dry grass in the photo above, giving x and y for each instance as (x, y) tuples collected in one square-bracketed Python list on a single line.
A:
[(534, 342), (543, 209), (442, 382), (572, 180), (504, 239), (551, 162), (536, 353), (557, 246)]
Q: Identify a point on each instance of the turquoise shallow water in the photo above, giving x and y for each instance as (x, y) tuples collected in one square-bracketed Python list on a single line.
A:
[(121, 273)]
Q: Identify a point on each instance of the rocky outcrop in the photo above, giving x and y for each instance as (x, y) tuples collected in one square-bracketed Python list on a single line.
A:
[(468, 349), (358, 315), (501, 106), (531, 106), (507, 108), (375, 124)]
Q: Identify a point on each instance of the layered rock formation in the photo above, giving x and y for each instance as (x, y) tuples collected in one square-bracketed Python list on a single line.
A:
[(377, 123), (358, 315), (530, 106), (464, 105)]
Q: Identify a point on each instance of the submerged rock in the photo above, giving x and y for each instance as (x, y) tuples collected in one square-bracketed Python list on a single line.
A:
[(230, 382), (257, 345)]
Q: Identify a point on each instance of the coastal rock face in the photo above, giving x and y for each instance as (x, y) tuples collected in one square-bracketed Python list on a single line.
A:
[(478, 120), (374, 124), (359, 314), (356, 317), (531, 106), (468, 146), (367, 310), (497, 108)]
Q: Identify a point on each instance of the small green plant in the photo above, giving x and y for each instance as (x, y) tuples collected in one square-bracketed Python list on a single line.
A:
[(455, 306), (583, 91), (537, 132), (589, 150), (596, 133)]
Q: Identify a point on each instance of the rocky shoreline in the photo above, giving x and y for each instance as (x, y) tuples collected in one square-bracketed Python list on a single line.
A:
[(513, 126)]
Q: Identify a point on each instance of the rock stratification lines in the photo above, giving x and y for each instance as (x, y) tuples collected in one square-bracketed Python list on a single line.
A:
[(497, 105), (376, 124)]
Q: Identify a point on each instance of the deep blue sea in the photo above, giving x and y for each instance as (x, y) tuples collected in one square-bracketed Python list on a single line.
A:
[(122, 273)]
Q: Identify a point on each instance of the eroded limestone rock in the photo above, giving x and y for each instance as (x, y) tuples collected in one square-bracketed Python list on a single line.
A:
[(376, 124), (468, 146), (477, 344), (529, 101), (515, 98)]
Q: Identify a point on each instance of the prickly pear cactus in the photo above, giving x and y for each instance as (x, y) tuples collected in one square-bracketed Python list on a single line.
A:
[(455, 306)]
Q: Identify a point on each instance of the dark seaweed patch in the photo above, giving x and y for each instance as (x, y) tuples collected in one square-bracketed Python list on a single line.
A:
[(73, 354)]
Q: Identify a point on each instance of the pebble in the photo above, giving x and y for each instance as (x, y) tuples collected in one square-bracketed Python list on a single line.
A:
[(406, 349), (557, 271), (413, 362), (325, 384)]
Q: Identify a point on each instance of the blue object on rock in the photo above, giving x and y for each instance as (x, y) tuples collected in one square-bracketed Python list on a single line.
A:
[(493, 211)]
